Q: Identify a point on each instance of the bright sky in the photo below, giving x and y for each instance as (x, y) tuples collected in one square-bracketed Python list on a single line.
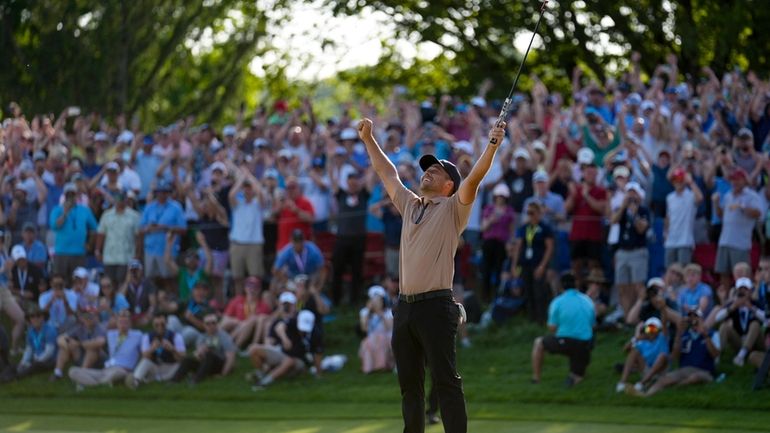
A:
[(322, 44)]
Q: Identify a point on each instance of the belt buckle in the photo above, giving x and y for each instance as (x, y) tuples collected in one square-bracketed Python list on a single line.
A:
[(410, 299)]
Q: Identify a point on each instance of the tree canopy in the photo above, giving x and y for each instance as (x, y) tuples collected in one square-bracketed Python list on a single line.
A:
[(597, 35), (157, 59)]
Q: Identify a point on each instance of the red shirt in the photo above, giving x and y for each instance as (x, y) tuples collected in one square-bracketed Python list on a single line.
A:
[(289, 220), (238, 308), (586, 222)]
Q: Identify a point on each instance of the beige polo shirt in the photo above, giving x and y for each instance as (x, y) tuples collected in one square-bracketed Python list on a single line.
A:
[(426, 260)]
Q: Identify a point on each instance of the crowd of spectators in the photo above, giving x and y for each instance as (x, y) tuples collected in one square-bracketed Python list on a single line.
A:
[(651, 193)]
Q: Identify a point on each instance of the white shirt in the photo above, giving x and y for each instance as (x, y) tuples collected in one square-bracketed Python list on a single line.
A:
[(247, 222), (681, 210)]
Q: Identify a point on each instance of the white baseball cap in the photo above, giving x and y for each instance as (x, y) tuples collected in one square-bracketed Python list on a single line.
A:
[(101, 136), (521, 153), (126, 136), (501, 189), (539, 145), (478, 101), (112, 165), (376, 291), (653, 321), (287, 298), (647, 105), (540, 176), (18, 252), (621, 171), (348, 134), (80, 272), (635, 187), (219, 165), (464, 146), (229, 130), (741, 282), (305, 321), (585, 156)]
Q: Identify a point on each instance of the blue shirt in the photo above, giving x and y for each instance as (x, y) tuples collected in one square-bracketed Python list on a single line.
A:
[(146, 167), (53, 196), (694, 352), (57, 315), (38, 340), (169, 214), (689, 298), (126, 353), (651, 349), (36, 253), (573, 315), (71, 237), (308, 262)]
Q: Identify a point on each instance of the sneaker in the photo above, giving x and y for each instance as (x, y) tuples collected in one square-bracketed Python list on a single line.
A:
[(465, 342), (620, 387), (631, 390), (131, 382), (739, 360), (432, 418), (639, 387)]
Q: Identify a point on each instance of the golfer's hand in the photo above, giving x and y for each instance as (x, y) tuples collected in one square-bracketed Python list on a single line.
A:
[(365, 127), (497, 133)]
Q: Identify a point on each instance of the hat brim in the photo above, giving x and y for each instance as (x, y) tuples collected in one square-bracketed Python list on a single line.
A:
[(426, 161)]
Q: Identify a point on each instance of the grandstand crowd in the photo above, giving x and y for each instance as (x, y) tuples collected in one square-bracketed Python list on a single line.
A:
[(131, 255)]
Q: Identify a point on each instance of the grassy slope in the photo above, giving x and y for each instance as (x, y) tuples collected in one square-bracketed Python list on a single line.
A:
[(496, 372)]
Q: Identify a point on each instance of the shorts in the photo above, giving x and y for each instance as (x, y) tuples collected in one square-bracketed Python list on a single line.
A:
[(246, 260), (728, 257), (220, 259), (631, 266), (681, 255), (155, 267), (578, 352), (6, 297), (274, 356), (588, 250)]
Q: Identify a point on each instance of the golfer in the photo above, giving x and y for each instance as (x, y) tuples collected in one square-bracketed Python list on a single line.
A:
[(426, 317)]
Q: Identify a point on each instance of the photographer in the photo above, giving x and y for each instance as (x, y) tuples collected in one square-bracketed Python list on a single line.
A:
[(647, 353), (72, 224), (162, 351), (632, 257), (741, 322), (376, 322), (651, 302), (696, 349)]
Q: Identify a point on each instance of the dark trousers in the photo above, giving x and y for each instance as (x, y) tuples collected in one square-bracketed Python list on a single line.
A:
[(201, 368), (117, 273), (348, 252), (426, 331), (493, 253), (537, 295)]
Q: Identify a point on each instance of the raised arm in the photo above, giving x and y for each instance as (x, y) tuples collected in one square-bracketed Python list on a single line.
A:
[(381, 164), (470, 186)]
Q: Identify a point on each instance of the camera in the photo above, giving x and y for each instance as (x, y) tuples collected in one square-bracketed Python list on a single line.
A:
[(652, 292)]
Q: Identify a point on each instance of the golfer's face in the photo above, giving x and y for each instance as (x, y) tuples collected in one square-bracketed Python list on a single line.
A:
[(434, 177)]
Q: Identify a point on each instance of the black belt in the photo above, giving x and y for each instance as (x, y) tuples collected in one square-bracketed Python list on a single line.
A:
[(411, 299)]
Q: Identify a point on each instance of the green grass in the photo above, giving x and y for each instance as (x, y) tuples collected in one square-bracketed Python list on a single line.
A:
[(496, 374)]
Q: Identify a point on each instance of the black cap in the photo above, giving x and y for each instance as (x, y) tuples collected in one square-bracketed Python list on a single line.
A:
[(297, 235), (428, 160)]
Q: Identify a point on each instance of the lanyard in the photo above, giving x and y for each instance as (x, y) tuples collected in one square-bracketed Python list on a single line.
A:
[(37, 339), (137, 291), (22, 279), (530, 234), (301, 260)]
